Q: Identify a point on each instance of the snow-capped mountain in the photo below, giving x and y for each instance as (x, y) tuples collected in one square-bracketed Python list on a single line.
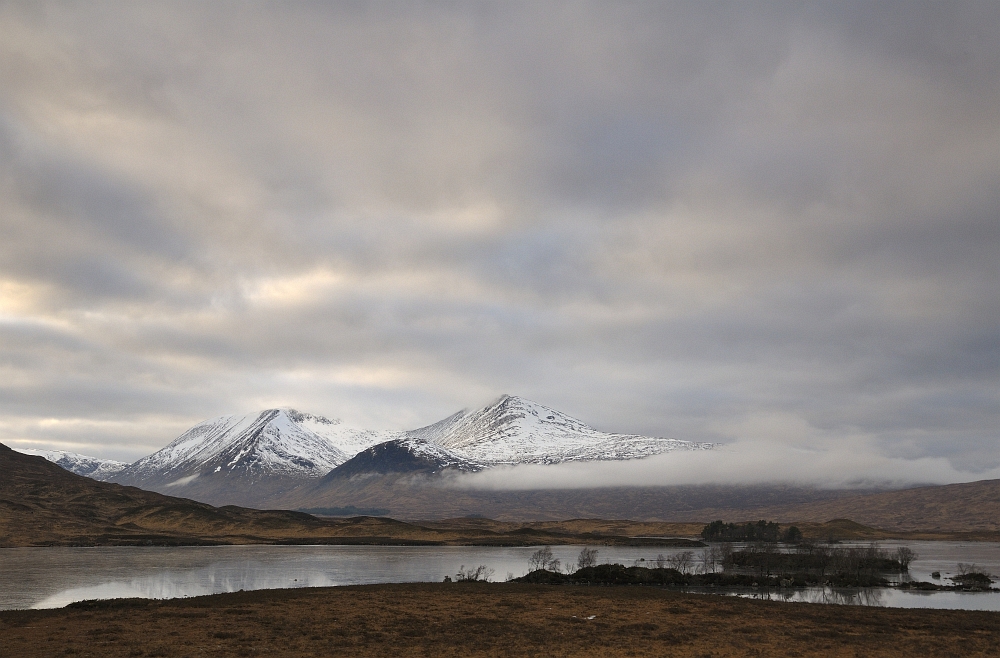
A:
[(223, 458), (92, 467), (255, 459), (512, 430)]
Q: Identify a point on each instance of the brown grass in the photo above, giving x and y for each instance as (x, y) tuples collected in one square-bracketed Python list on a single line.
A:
[(491, 620)]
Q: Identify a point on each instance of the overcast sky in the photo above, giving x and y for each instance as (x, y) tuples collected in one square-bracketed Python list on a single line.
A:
[(751, 223)]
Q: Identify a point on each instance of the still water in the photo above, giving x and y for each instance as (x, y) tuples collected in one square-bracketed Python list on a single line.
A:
[(54, 577)]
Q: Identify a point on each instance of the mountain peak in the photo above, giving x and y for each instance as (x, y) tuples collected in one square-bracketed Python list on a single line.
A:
[(513, 430), (281, 442), (297, 416)]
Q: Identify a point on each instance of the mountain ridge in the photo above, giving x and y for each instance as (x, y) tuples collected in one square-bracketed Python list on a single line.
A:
[(92, 467)]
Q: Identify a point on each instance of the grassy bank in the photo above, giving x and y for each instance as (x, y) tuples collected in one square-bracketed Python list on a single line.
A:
[(477, 619)]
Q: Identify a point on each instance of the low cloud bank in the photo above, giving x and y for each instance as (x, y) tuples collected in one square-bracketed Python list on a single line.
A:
[(851, 465)]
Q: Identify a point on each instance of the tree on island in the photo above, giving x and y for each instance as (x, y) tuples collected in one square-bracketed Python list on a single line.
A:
[(543, 559)]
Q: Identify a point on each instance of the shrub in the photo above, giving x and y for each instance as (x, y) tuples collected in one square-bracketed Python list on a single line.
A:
[(480, 573), (759, 531)]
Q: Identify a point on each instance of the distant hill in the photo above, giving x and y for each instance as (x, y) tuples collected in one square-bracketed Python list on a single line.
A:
[(972, 506)]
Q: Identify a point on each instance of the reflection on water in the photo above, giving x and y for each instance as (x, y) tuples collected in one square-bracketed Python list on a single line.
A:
[(870, 596), (168, 585), (878, 596), (53, 577)]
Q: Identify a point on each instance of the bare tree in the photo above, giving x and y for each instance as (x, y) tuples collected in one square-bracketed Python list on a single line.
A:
[(587, 558), (661, 561), (543, 559), (966, 569), (709, 559), (905, 555), (482, 572), (725, 554), (682, 561)]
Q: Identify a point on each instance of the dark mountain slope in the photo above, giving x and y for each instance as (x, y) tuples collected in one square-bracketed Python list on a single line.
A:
[(398, 456)]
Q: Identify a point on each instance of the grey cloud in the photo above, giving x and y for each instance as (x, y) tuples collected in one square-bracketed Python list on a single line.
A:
[(667, 218)]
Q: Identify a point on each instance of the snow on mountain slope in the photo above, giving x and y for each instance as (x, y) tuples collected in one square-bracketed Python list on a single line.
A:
[(275, 442), (92, 467), (513, 430)]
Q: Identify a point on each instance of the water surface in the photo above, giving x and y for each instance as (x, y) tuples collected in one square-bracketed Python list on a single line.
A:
[(54, 577)]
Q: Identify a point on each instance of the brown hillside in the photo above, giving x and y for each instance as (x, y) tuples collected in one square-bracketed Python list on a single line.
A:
[(972, 506)]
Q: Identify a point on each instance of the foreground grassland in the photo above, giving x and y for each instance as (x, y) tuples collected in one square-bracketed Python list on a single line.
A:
[(476, 619)]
